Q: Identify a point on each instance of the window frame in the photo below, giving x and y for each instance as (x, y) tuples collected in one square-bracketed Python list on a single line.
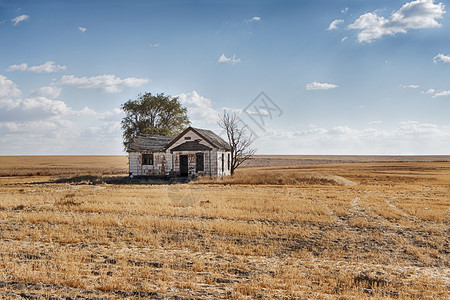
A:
[(148, 159), (197, 161)]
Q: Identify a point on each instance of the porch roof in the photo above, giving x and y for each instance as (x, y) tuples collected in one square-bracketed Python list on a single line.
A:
[(191, 146)]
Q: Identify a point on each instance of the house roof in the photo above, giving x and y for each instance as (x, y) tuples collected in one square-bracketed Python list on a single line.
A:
[(150, 143), (191, 146), (158, 143), (209, 136)]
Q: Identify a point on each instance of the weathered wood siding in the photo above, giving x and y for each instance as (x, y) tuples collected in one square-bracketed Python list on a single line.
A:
[(158, 168), (226, 168), (192, 162), (175, 156)]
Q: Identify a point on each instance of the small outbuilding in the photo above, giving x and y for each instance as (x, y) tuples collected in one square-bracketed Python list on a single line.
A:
[(194, 152)]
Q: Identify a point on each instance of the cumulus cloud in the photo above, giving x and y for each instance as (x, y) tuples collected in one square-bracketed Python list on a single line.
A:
[(40, 125), (107, 83), (82, 29), (47, 91), (21, 67), (32, 109), (231, 60), (436, 93), (412, 15), (47, 67), (200, 109), (320, 86), (335, 24), (409, 137), (19, 19), (441, 58), (254, 19), (440, 94), (8, 88)]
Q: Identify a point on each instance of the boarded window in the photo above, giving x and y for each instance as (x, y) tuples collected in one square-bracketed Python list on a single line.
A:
[(200, 162), (147, 159)]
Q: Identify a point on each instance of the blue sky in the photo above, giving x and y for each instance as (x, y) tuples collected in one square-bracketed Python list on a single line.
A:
[(339, 77)]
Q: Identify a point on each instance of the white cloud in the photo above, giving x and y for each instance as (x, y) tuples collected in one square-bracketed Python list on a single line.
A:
[(254, 19), (82, 29), (441, 58), (414, 128), (440, 94), (345, 10), (412, 15), (232, 60), (31, 109), (21, 67), (107, 83), (335, 24), (19, 19), (47, 67), (40, 125), (320, 86), (374, 122), (344, 38), (410, 137), (410, 86), (154, 45), (200, 109), (47, 91), (435, 93), (8, 88)]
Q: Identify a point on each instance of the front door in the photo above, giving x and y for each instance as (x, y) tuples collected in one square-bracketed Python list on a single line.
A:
[(184, 165)]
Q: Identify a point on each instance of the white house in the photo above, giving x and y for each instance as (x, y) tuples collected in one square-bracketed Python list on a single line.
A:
[(194, 152)]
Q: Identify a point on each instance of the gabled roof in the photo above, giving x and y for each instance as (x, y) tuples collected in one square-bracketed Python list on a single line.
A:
[(150, 143), (191, 146), (209, 136)]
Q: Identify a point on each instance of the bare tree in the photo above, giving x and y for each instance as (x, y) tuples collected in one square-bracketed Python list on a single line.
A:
[(239, 139)]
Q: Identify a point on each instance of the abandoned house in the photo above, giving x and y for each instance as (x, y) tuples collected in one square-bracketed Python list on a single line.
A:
[(194, 152)]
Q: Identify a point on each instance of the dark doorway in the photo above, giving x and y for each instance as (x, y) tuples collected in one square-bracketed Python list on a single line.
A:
[(184, 165)]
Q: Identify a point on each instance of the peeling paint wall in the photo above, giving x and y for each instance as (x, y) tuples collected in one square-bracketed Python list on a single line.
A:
[(157, 169)]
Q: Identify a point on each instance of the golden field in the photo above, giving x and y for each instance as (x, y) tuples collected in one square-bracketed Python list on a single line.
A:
[(303, 228)]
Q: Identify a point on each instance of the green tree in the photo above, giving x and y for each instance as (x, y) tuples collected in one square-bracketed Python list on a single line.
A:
[(153, 114)]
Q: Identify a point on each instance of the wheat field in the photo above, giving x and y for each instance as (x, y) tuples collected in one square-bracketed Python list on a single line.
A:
[(74, 228)]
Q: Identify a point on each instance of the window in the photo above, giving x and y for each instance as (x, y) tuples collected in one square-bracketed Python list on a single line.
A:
[(223, 162), (147, 159), (229, 162), (200, 162)]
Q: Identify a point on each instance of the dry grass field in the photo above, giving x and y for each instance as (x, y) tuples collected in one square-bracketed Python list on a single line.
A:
[(70, 228)]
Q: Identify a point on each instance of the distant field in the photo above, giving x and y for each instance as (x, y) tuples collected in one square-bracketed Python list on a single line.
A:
[(60, 165), (314, 227)]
